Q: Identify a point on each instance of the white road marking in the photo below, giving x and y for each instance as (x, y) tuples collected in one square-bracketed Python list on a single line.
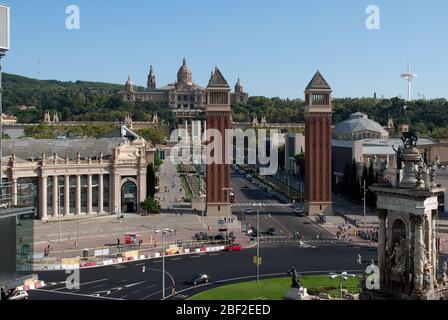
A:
[(75, 294), (81, 284)]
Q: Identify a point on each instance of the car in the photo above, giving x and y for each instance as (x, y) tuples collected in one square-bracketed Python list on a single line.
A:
[(299, 212), (201, 236), (249, 211), (19, 295), (271, 232), (233, 247), (199, 278), (219, 237)]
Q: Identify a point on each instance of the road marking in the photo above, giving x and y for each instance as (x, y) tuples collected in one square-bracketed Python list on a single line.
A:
[(175, 259), (136, 291), (140, 264), (81, 284), (192, 257), (75, 294)]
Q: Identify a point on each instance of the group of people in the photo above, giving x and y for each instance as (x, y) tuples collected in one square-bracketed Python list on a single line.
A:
[(370, 235), (343, 232)]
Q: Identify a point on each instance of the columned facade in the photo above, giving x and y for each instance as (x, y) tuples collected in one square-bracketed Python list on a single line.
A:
[(318, 110), (82, 185)]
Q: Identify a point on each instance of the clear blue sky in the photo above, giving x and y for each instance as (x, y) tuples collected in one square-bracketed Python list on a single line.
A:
[(273, 46)]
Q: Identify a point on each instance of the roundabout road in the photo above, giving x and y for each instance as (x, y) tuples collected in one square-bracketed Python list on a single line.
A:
[(128, 281)]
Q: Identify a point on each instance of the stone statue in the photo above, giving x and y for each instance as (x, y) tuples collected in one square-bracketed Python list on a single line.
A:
[(296, 283), (380, 167), (398, 255), (427, 278), (435, 165)]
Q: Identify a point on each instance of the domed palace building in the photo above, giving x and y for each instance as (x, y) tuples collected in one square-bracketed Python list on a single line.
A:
[(186, 98)]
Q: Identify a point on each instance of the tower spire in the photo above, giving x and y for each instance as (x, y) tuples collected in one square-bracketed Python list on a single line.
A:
[(409, 76)]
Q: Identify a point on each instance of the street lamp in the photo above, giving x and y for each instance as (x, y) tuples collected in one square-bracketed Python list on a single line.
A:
[(364, 199), (163, 262), (342, 276), (227, 190)]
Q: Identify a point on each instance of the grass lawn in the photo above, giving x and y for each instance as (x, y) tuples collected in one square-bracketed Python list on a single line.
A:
[(274, 289)]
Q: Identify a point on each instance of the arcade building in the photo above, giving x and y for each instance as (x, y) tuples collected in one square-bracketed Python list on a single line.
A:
[(70, 177)]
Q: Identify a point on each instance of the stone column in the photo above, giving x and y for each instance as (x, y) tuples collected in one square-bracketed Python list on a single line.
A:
[(78, 194), (419, 254), (66, 195), (89, 194), (43, 197), (14, 192), (55, 197), (115, 192), (100, 194), (433, 245), (382, 214), (141, 193)]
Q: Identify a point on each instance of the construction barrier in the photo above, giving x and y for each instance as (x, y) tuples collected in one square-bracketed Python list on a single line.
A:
[(70, 263)]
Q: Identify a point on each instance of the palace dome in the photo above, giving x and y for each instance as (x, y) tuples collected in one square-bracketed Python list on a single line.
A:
[(359, 126), (184, 74)]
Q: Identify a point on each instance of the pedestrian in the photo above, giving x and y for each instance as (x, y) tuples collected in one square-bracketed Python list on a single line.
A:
[(118, 241)]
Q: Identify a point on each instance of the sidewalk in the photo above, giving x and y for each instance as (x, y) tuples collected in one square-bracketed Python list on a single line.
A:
[(103, 233)]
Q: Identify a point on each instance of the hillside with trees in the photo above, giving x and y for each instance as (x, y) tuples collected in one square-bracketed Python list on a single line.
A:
[(95, 101)]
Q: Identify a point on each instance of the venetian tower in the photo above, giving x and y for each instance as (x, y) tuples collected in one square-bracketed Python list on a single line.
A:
[(218, 173), (318, 110)]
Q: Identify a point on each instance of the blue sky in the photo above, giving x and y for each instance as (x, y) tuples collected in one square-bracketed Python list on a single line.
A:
[(273, 46)]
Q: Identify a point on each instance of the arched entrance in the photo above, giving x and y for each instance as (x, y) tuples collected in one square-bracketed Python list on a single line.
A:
[(129, 197)]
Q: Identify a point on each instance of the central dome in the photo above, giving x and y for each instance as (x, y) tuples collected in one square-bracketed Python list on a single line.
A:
[(184, 74)]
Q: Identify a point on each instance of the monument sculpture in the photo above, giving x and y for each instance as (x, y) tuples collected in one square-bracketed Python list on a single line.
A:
[(297, 291), (407, 243)]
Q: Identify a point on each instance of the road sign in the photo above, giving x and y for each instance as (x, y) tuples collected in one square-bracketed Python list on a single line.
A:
[(259, 259)]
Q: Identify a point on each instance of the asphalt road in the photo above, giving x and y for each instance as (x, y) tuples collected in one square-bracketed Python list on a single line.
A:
[(273, 213), (128, 281)]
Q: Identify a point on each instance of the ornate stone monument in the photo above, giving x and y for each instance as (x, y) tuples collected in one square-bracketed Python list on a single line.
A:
[(407, 252), (297, 291)]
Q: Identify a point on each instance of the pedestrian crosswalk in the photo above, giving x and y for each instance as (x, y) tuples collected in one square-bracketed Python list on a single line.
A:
[(261, 204)]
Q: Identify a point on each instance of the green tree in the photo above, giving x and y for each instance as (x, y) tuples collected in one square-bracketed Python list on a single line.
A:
[(300, 161), (150, 206), (151, 180), (154, 135)]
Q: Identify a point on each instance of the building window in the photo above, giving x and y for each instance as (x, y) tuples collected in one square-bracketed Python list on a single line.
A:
[(106, 193), (95, 193), (83, 193), (72, 196)]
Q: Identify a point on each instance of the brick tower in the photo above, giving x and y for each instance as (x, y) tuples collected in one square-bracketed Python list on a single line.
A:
[(218, 117), (318, 112)]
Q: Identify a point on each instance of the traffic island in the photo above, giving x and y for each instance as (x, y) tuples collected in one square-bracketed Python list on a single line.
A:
[(318, 287)]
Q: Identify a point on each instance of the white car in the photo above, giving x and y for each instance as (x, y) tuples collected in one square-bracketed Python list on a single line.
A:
[(19, 295), (249, 210)]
